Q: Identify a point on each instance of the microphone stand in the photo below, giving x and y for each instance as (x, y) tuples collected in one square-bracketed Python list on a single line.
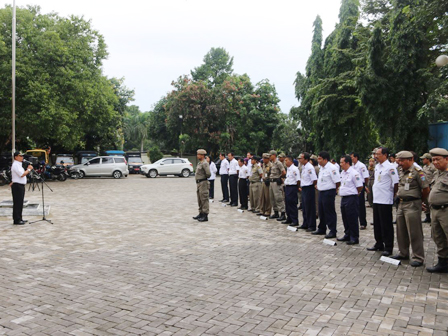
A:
[(38, 177)]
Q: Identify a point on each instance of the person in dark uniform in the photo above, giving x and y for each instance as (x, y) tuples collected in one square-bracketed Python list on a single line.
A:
[(18, 177), (292, 184)]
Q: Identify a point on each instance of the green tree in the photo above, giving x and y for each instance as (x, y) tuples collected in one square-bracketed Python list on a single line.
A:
[(218, 65)]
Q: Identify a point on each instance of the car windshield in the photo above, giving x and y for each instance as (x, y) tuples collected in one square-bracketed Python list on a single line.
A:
[(66, 159), (157, 162), (134, 159), (85, 159)]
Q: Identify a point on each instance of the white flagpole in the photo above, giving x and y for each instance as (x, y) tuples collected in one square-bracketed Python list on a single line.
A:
[(14, 41)]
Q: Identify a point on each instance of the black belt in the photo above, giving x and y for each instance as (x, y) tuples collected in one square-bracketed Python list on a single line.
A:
[(439, 207), (201, 180), (291, 185), (233, 174), (409, 199), (350, 196)]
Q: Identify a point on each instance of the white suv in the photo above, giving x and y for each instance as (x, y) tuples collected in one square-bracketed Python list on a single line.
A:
[(115, 166), (168, 166)]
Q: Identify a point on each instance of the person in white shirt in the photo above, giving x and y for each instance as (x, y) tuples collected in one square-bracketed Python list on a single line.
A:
[(364, 174), (18, 177), (384, 189), (338, 167), (328, 182), (233, 179), (392, 161), (224, 173), (292, 184), (211, 179), (351, 186), (308, 181), (243, 175)]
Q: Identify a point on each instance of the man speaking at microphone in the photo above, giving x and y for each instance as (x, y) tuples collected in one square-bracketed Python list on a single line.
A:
[(18, 177)]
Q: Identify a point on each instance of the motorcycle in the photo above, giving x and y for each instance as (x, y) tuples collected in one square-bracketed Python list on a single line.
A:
[(5, 176), (72, 173), (55, 172)]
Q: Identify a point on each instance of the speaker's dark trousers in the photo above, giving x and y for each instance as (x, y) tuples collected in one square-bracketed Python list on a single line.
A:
[(362, 207), (233, 183), (242, 188), (211, 191), (349, 211), (309, 207), (383, 228), (327, 211), (225, 186), (291, 201), (18, 195)]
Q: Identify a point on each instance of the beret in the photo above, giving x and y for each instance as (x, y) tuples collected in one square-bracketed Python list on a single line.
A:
[(438, 152), (266, 156), (282, 155), (426, 156), (202, 151), (272, 152)]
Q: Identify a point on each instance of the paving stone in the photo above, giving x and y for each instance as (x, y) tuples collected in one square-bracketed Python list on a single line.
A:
[(124, 257)]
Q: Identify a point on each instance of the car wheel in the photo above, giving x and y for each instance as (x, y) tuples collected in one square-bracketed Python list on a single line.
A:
[(152, 173), (116, 174), (186, 173), (82, 174)]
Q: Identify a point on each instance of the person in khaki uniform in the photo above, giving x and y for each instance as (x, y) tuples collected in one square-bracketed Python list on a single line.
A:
[(429, 170), (265, 201), (413, 188), (201, 176), (275, 188), (255, 185), (438, 199)]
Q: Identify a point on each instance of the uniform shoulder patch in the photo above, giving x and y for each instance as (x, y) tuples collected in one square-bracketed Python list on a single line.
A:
[(422, 176), (334, 172), (392, 171), (357, 177)]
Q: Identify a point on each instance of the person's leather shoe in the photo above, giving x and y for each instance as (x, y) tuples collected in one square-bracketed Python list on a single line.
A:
[(275, 215), (416, 263), (282, 217), (198, 216), (427, 219), (362, 227), (204, 218), (303, 227), (24, 220), (386, 253), (259, 214), (375, 248), (399, 257), (19, 223), (330, 235), (233, 205), (293, 225), (310, 230), (353, 242), (318, 233), (286, 222), (441, 267), (345, 238), (256, 212)]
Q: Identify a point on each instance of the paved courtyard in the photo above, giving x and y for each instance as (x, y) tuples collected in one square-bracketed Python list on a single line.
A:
[(124, 257)]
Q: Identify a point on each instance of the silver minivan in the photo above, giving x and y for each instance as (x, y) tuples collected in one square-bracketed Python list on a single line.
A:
[(115, 166)]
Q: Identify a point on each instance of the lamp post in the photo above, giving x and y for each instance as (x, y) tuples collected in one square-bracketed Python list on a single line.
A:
[(181, 122), (442, 60), (14, 40)]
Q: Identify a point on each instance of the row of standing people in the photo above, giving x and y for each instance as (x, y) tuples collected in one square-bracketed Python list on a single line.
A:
[(274, 185)]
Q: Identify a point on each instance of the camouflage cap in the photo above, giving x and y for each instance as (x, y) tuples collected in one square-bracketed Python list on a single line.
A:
[(266, 156), (426, 156), (282, 155), (404, 155), (438, 152), (273, 152), (313, 157), (202, 151)]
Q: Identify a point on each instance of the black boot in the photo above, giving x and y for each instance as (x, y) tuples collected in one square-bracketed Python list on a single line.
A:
[(282, 217), (427, 219), (204, 218), (198, 216), (275, 215), (441, 267)]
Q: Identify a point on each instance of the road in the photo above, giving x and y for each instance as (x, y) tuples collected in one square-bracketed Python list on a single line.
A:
[(124, 257)]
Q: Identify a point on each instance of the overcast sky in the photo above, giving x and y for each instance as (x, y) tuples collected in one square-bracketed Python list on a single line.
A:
[(151, 43)]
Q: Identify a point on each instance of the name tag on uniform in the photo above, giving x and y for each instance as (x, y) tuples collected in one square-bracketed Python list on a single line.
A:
[(406, 186), (379, 178)]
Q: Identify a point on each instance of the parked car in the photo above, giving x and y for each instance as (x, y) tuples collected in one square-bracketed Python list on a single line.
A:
[(65, 159), (84, 156), (114, 166), (168, 166), (135, 162), (114, 153)]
